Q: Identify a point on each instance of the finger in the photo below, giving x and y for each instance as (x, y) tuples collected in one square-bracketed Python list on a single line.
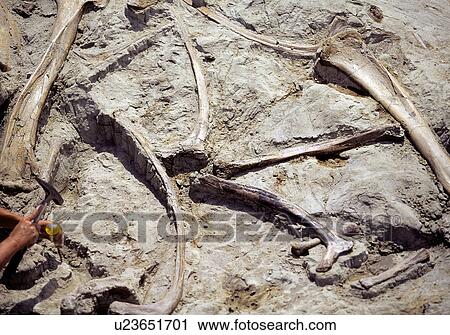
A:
[(35, 213), (44, 222)]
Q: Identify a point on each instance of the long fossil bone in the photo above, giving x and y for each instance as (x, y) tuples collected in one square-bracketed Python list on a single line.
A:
[(198, 135), (346, 51), (132, 139), (420, 256), (17, 157), (333, 146), (308, 51), (190, 154), (335, 244)]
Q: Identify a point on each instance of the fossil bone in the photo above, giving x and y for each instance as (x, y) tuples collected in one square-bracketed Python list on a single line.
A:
[(132, 139), (97, 294), (198, 135), (17, 157), (420, 256), (333, 146), (335, 244), (51, 164), (300, 248), (346, 51), (309, 51)]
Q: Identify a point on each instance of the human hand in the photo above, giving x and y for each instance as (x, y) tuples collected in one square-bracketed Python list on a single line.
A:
[(25, 233)]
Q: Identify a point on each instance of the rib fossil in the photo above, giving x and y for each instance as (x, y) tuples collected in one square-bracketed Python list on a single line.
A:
[(334, 146), (190, 154), (17, 158), (420, 256), (134, 142), (308, 51), (335, 244), (200, 132), (346, 51)]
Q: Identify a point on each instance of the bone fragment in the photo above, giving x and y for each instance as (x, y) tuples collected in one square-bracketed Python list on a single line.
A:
[(97, 294), (335, 244), (301, 248), (17, 159), (334, 146), (299, 50), (346, 51), (420, 256)]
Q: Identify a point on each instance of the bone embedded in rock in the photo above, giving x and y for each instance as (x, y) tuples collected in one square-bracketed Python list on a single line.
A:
[(200, 132), (346, 51), (301, 248), (173, 296), (138, 147), (335, 244), (17, 161), (94, 296), (420, 256), (333, 146), (300, 50)]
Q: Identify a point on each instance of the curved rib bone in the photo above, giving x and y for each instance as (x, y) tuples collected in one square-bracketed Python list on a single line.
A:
[(17, 157), (200, 132), (291, 48), (190, 155), (335, 244), (334, 146), (135, 143), (346, 52)]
